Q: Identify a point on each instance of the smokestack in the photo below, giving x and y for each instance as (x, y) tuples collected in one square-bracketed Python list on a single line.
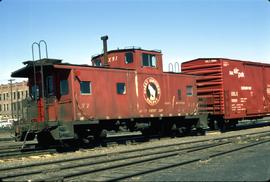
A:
[(105, 56)]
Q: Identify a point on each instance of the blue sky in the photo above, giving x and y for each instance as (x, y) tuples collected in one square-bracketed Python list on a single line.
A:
[(182, 29)]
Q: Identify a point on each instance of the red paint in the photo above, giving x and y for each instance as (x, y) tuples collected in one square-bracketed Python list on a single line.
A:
[(149, 91), (105, 103)]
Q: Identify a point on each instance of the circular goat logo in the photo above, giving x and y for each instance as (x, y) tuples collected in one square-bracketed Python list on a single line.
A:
[(151, 91)]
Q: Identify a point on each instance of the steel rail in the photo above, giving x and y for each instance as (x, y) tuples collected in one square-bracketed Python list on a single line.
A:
[(26, 154)]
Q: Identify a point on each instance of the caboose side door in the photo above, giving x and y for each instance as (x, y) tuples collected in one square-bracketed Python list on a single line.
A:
[(64, 95), (50, 101)]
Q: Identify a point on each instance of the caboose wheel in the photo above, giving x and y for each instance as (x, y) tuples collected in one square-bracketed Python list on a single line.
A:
[(68, 145), (147, 132), (45, 139), (99, 134), (200, 131)]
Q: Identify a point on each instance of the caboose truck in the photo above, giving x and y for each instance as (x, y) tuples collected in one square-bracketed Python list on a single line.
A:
[(124, 88)]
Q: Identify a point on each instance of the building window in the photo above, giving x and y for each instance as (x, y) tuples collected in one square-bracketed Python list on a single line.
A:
[(4, 96), (129, 57), (14, 95), (121, 88), (85, 87), (189, 90), (149, 60), (63, 87), (18, 95), (7, 107), (179, 94), (14, 106), (0, 96), (0, 107)]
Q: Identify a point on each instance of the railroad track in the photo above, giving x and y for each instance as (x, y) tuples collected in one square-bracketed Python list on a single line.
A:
[(14, 150), (129, 163), (6, 139), (9, 146), (15, 153)]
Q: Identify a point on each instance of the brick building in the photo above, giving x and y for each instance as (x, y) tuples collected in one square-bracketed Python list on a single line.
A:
[(11, 103)]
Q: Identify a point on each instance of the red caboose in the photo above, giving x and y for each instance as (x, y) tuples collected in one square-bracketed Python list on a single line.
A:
[(231, 90), (125, 89)]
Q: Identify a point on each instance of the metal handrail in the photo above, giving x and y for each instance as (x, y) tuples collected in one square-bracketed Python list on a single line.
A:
[(46, 48), (34, 66), (41, 70), (176, 66), (170, 66)]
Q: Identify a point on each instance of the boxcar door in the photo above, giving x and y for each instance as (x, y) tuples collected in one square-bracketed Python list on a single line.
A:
[(254, 89), (266, 89)]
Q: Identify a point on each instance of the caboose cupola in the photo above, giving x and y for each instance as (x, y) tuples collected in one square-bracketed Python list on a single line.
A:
[(130, 58)]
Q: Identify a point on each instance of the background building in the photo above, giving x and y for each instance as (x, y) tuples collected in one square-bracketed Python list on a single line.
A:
[(11, 103)]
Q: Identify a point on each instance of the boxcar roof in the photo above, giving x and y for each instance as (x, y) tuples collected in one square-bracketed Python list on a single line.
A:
[(227, 59)]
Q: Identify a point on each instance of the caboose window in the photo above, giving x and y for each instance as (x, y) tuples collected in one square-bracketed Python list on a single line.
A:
[(63, 87), (50, 85), (35, 92), (189, 90), (121, 88), (149, 60), (97, 62), (179, 94), (129, 57), (85, 87)]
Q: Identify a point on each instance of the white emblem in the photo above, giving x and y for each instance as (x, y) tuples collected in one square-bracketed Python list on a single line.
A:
[(151, 91)]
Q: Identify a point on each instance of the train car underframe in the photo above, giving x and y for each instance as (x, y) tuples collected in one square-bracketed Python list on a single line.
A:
[(218, 122), (84, 132)]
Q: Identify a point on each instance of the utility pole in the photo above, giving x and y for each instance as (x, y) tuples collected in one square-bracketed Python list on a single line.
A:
[(11, 96)]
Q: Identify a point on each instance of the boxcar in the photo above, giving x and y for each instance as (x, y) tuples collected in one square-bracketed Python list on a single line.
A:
[(230, 90)]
